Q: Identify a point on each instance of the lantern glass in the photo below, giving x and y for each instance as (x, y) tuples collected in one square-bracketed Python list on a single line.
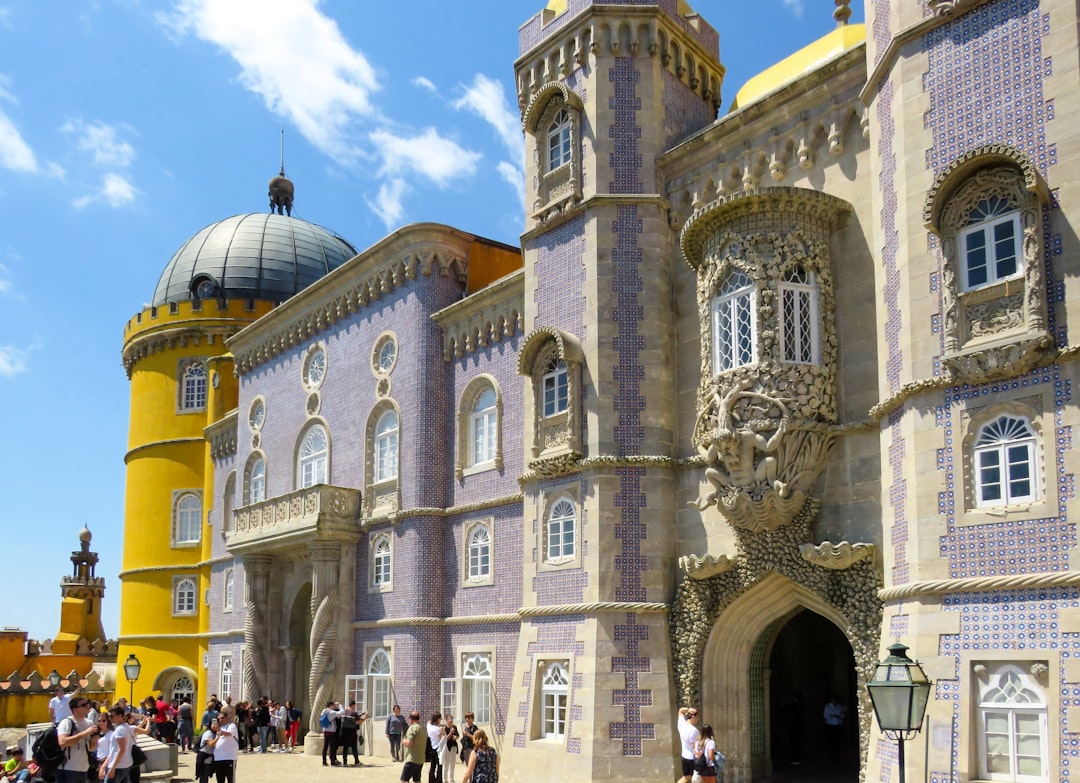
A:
[(899, 691), (132, 667)]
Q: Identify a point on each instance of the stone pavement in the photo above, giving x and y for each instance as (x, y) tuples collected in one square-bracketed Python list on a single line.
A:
[(258, 767)]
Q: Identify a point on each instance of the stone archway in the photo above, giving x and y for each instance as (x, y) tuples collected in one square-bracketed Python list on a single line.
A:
[(297, 650)]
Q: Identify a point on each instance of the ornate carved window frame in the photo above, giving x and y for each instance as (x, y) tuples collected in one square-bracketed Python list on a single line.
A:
[(298, 468), (469, 529), (1000, 328), (383, 497), (464, 465), (186, 365), (1033, 407), (558, 435), (561, 185), (190, 584), (550, 501), (178, 497), (373, 547), (248, 497), (543, 690)]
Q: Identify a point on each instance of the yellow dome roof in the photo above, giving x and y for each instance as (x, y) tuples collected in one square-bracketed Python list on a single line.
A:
[(804, 61)]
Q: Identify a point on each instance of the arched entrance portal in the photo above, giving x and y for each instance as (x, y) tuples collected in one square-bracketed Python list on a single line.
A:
[(296, 689), (808, 662)]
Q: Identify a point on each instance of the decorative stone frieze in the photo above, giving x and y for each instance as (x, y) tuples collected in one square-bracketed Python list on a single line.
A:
[(171, 339), (950, 8), (222, 436), (278, 523), (705, 566), (482, 319)]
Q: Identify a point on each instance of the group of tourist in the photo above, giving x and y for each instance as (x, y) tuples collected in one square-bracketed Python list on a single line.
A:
[(700, 757), (268, 726), (441, 744), (341, 730)]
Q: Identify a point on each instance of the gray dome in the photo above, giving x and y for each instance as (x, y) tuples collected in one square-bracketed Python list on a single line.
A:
[(260, 256)]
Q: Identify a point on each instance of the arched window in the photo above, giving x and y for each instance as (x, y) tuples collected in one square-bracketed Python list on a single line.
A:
[(227, 503), (555, 388), (381, 572), (1004, 460), (314, 453), (990, 243), (561, 531), (734, 323), (184, 595), (228, 589), (193, 387), (799, 321), (188, 518), (226, 675), (483, 428), (559, 137), (554, 694), (183, 688), (380, 686), (386, 447), (479, 553), (1012, 727), (257, 481), (476, 687)]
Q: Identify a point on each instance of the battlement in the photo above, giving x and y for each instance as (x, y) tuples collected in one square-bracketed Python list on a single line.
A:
[(174, 313)]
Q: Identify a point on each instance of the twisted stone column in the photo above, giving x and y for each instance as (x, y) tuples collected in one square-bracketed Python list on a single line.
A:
[(257, 572), (325, 562)]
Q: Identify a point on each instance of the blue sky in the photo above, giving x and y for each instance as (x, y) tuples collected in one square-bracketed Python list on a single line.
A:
[(127, 126)]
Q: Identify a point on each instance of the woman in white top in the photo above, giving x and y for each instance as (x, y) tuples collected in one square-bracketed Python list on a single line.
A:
[(204, 753), (104, 726), (117, 766), (226, 745), (437, 737)]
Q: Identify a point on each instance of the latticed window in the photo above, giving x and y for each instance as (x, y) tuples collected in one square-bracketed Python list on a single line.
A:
[(386, 447), (561, 531), (257, 481), (990, 243), (380, 683), (483, 428), (381, 562), (1013, 728), (193, 387), (476, 687), (229, 589), (188, 519), (1004, 460), (556, 388), (314, 452), (799, 318), (554, 693), (226, 676), (559, 140), (734, 323), (184, 596), (479, 553)]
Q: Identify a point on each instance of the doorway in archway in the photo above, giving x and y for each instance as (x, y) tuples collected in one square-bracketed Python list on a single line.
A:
[(809, 663), (299, 639)]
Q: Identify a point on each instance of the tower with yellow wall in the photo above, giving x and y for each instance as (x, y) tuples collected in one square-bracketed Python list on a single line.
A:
[(225, 277)]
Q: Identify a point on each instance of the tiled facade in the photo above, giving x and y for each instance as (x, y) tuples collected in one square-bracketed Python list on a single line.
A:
[(711, 505)]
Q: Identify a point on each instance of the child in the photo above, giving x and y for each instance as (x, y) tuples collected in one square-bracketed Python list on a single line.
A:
[(16, 768)]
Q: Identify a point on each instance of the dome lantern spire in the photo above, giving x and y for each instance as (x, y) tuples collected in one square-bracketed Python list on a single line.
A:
[(281, 187), (842, 12)]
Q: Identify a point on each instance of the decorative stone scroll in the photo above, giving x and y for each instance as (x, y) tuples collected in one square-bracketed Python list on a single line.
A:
[(837, 557)]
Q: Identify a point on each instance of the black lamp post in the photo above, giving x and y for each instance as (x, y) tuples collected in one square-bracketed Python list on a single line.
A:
[(899, 692), (54, 679), (132, 667)]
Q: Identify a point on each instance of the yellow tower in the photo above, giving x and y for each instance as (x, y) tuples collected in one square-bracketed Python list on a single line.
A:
[(225, 277)]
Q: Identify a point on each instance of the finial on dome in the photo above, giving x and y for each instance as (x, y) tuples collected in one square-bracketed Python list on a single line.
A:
[(281, 187), (842, 12), (85, 536)]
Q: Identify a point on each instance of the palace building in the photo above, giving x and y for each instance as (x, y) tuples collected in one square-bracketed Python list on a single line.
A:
[(766, 386)]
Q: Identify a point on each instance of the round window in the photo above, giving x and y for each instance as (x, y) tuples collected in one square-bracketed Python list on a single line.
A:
[(315, 368), (385, 355), (257, 415)]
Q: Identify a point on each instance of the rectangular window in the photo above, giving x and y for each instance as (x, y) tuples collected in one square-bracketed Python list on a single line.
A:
[(799, 321), (381, 697), (356, 690), (991, 251), (226, 675), (448, 696), (556, 392)]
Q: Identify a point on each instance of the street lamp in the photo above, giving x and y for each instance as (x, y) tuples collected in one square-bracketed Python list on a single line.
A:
[(899, 692), (54, 679), (132, 667)]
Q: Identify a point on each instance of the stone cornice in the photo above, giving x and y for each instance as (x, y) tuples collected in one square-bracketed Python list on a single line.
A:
[(483, 318), (523, 613), (944, 11), (452, 511), (154, 444), (144, 345), (552, 216), (418, 250), (222, 435), (179, 567)]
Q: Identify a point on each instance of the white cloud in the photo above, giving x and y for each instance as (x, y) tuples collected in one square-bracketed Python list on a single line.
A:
[(427, 84), (514, 177), (115, 191), (387, 205), (15, 153), (486, 99), (292, 56), (429, 155), (101, 141), (13, 360), (796, 7), (5, 279), (5, 17)]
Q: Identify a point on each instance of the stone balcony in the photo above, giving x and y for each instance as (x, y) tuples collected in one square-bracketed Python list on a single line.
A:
[(296, 519)]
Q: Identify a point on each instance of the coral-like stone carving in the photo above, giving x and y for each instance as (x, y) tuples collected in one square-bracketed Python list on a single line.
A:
[(705, 566), (838, 557)]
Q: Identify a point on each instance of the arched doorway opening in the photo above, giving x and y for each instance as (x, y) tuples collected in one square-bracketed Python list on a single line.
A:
[(808, 664), (296, 688)]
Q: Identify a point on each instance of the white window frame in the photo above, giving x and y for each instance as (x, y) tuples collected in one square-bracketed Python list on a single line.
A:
[(382, 562), (478, 553), (187, 519), (733, 309), (1033, 705), (448, 697), (227, 503), (385, 467), (257, 481), (228, 589), (185, 596), (554, 700), (380, 684), (983, 224), (558, 548), (193, 384), (800, 334), (477, 677), (559, 140), (355, 689), (225, 672), (484, 429), (555, 389), (1006, 452), (312, 463)]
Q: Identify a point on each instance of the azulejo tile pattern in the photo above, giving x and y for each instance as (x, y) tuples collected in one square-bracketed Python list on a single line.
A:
[(556, 637)]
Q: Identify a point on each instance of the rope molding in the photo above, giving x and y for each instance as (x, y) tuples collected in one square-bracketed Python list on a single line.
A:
[(522, 614), (207, 635), (978, 584), (465, 508), (593, 608), (178, 567), (155, 443)]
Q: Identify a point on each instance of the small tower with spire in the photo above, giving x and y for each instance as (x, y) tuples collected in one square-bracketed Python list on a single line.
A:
[(81, 594), (281, 187)]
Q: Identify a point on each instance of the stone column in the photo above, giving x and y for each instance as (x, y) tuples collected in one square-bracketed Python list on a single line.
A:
[(290, 672), (325, 564), (257, 572)]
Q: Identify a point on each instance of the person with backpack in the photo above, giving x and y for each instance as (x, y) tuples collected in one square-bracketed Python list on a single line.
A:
[(328, 723), (77, 737), (349, 733)]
